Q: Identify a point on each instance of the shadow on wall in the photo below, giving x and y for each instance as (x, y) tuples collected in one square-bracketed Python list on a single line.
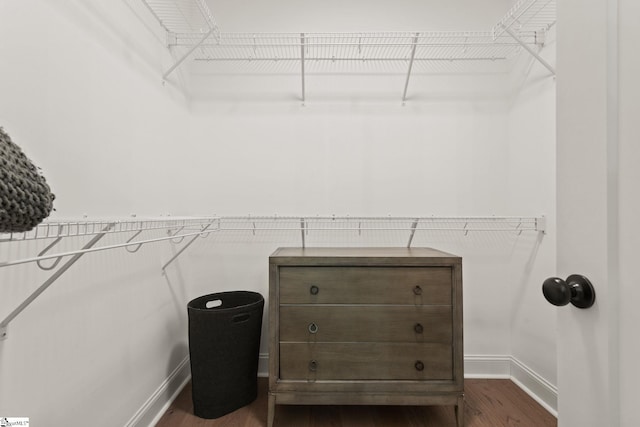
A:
[(177, 287), (524, 281), (127, 31), (178, 361), (178, 293)]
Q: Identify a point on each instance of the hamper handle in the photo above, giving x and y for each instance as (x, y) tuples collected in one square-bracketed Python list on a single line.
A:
[(241, 317), (213, 303)]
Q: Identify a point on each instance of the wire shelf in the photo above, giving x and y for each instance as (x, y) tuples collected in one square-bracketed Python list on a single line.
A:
[(359, 224), (196, 227), (347, 231), (77, 228), (528, 16), (177, 16), (355, 47), (523, 28)]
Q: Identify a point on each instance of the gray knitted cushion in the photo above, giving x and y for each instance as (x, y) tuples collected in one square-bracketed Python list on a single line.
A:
[(25, 197)]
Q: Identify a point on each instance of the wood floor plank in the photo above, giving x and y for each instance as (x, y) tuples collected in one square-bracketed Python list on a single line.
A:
[(489, 403), (360, 416)]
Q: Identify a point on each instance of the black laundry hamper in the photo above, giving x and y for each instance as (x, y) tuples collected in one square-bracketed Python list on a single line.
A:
[(224, 343)]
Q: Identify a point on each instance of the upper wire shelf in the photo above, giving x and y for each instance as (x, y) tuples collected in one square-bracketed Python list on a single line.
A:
[(187, 20), (528, 16), (357, 47), (177, 16), (193, 32)]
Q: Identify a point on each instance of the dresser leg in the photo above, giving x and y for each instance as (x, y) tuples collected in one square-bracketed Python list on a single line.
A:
[(460, 412), (271, 410)]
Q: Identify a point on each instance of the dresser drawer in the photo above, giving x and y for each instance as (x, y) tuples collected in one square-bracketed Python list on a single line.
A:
[(315, 323), (365, 361), (365, 285)]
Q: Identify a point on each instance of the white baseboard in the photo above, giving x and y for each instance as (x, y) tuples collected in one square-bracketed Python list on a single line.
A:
[(487, 366), (504, 366), (155, 407), (475, 366), (541, 390)]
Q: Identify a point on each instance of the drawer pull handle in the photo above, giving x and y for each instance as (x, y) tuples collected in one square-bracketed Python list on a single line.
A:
[(313, 290), (418, 328), (313, 365), (417, 290), (313, 328), (419, 365)]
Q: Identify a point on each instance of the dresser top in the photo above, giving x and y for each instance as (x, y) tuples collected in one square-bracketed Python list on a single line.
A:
[(392, 254)]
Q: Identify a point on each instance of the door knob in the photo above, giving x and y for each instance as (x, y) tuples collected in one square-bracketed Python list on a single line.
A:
[(576, 290)]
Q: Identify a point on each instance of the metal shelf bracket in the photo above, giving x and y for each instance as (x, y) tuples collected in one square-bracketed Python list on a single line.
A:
[(138, 246), (413, 231), (302, 65), (406, 83), (5, 322), (541, 224), (189, 243), (529, 49), (189, 52), (45, 250)]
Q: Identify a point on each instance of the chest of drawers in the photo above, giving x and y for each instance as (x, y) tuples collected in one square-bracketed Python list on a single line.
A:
[(365, 326)]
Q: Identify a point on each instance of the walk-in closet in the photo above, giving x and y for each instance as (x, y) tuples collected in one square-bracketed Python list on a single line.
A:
[(185, 141)]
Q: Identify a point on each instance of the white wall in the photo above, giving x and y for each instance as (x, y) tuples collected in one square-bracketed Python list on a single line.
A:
[(80, 89), (84, 100), (532, 178), (356, 15)]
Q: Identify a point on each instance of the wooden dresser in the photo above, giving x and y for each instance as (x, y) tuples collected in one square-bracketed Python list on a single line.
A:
[(365, 326)]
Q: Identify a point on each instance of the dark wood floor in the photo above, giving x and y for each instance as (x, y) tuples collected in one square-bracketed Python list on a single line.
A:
[(489, 403)]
